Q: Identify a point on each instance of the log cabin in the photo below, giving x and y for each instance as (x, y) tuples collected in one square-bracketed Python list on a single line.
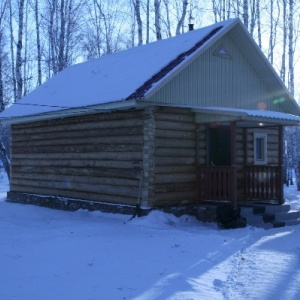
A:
[(196, 118)]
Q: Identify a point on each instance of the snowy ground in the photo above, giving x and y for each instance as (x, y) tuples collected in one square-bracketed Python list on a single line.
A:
[(51, 254)]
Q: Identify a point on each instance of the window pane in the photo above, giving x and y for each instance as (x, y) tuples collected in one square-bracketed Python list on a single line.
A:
[(260, 148)]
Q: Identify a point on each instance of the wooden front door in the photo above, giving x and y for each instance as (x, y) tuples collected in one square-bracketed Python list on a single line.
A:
[(215, 179), (219, 146)]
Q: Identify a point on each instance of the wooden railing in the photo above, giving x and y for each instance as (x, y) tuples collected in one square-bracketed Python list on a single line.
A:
[(214, 183), (263, 183)]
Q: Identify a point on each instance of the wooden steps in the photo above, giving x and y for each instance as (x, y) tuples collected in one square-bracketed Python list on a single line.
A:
[(270, 216)]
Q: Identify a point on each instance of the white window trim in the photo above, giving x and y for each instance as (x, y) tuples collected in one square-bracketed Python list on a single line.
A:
[(263, 136)]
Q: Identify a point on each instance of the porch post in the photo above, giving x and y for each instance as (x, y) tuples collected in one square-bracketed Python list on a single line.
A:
[(280, 165), (233, 164)]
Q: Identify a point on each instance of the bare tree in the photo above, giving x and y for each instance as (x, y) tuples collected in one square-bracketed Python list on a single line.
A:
[(38, 41), (12, 52), (182, 17), (291, 46), (273, 32), (137, 9), (61, 21), (3, 8), (284, 42), (3, 131), (246, 13), (258, 23), (147, 21), (168, 20), (19, 79), (157, 19)]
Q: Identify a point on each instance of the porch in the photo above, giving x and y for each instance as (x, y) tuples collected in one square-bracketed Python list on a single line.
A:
[(240, 156)]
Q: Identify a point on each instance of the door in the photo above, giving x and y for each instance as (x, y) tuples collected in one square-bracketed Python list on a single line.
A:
[(219, 144)]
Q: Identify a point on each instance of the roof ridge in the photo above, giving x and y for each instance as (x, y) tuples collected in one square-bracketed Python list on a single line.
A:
[(141, 91)]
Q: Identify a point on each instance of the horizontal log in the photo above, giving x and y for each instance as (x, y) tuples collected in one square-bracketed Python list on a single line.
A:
[(175, 152), (175, 178), (79, 126), (97, 197), (271, 153), (175, 134), (177, 117), (79, 163), (73, 148), (87, 118), (269, 130), (72, 179), (174, 187), (201, 128), (80, 187), (270, 139), (174, 143), (84, 140), (176, 126), (201, 160), (202, 152), (175, 169), (201, 136), (122, 131), (89, 172), (175, 161), (177, 198), (119, 156)]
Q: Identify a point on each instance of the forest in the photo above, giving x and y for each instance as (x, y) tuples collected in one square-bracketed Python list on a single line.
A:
[(39, 38)]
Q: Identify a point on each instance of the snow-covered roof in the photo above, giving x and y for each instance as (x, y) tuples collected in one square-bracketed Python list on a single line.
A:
[(122, 79), (115, 77)]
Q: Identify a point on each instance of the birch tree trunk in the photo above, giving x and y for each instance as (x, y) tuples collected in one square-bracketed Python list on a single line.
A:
[(3, 153), (258, 24), (62, 39), (291, 47), (3, 7), (157, 19), (148, 22), (38, 42), (181, 20), (272, 34), (246, 13), (166, 2), (26, 76), (137, 8), (19, 62), (253, 15), (2, 104), (284, 43), (12, 52)]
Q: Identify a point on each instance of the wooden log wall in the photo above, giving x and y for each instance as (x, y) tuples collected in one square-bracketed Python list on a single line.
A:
[(174, 157), (95, 157), (272, 144)]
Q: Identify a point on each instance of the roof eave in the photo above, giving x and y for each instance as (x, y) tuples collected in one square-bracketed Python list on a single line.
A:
[(243, 115), (70, 112)]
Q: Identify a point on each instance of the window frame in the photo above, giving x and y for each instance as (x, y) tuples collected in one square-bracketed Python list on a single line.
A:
[(260, 139)]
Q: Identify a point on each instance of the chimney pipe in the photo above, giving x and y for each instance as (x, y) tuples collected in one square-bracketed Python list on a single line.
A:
[(191, 27)]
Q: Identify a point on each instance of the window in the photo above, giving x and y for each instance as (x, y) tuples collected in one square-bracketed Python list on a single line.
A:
[(260, 148), (222, 52)]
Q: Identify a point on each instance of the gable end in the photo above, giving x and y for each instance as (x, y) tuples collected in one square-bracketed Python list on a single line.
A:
[(141, 91)]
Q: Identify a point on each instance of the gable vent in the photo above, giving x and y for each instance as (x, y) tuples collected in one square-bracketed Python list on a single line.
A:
[(222, 52)]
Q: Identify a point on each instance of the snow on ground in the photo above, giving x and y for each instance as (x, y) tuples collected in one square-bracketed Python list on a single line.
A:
[(51, 254)]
